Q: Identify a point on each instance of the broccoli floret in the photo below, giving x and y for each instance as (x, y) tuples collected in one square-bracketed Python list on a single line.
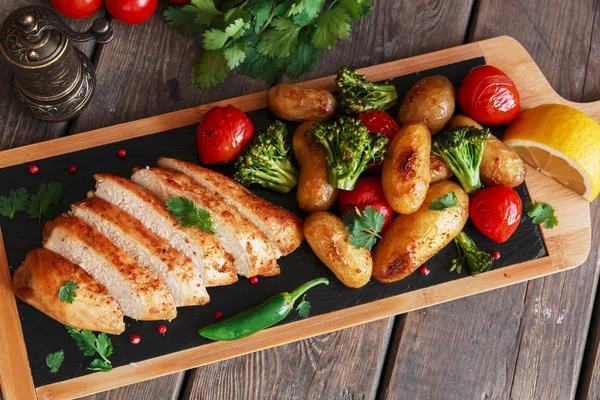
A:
[(349, 149), (462, 149), (266, 161), (468, 254), (357, 95)]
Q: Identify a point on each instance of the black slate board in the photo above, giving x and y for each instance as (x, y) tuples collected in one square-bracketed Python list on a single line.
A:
[(44, 335)]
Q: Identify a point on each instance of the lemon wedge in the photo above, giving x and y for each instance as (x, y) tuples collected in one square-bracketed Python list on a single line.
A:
[(561, 142)]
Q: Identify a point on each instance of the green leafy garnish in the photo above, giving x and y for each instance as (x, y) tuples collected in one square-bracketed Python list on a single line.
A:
[(55, 360), (364, 227), (15, 201), (469, 255), (42, 203), (91, 344), (542, 213), (188, 214), (303, 308), (66, 293), (263, 38), (446, 201)]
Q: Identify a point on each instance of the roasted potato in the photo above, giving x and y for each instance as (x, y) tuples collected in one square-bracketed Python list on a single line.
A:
[(439, 170), (296, 103), (500, 165), (314, 191), (412, 239), (431, 101), (406, 174), (327, 236)]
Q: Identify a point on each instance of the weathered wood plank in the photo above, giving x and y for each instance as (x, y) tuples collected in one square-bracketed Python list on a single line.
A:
[(165, 388), (525, 341)]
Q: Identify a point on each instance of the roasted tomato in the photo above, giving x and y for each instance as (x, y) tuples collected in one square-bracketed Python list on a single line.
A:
[(223, 134), (496, 212), (382, 122), (131, 11), (367, 192), (77, 8), (489, 96)]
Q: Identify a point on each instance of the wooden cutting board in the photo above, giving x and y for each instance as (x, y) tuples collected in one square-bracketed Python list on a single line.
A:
[(566, 246)]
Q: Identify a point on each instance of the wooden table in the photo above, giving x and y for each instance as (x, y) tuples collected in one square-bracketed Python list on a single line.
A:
[(534, 340)]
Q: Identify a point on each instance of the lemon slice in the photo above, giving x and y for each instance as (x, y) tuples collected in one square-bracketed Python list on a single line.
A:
[(563, 143)]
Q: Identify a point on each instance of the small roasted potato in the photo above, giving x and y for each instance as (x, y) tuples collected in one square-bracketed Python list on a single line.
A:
[(327, 236), (413, 239), (297, 103), (500, 165), (406, 174), (314, 191), (431, 101), (439, 170)]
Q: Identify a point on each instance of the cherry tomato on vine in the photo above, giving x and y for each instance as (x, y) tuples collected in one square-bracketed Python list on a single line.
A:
[(496, 212), (367, 192), (222, 134), (77, 8), (131, 11), (489, 96)]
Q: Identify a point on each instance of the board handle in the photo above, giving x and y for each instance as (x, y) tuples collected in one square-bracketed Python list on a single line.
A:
[(511, 57)]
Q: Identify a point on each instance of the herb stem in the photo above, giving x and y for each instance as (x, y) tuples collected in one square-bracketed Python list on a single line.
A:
[(271, 15)]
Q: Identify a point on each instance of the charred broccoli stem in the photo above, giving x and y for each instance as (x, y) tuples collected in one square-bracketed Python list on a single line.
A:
[(468, 254), (349, 149), (462, 149), (357, 95), (266, 161)]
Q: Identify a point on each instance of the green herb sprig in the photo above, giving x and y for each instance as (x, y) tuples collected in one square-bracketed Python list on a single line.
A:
[(15, 201), (263, 38), (542, 213), (55, 360), (364, 227), (446, 201), (91, 344), (188, 214), (66, 293)]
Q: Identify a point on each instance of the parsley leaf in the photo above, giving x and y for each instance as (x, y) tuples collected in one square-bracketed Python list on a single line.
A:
[(214, 39), (210, 70), (189, 215), (261, 10), (258, 66), (234, 54), (332, 25), (55, 360), (103, 346), (446, 201), (356, 8), (85, 340), (303, 59), (15, 201), (280, 40), (66, 293), (100, 365), (364, 227), (310, 7), (41, 204), (304, 308), (178, 17), (542, 213)]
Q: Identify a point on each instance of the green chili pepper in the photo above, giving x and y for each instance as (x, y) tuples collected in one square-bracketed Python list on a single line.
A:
[(268, 313)]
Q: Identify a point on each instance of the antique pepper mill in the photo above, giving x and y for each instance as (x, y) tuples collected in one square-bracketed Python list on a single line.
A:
[(53, 80)]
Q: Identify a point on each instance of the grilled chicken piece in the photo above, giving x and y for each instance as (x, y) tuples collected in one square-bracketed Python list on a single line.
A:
[(214, 263), (139, 293), (251, 249), (38, 280), (154, 253), (282, 227)]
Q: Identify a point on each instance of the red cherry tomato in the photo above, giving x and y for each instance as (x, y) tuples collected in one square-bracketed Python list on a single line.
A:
[(223, 134), (77, 8), (367, 192), (131, 11), (489, 96), (382, 122), (496, 212)]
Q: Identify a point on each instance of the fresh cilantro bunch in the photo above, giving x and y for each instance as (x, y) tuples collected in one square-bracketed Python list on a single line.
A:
[(263, 38)]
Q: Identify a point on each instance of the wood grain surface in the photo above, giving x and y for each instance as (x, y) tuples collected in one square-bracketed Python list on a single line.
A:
[(557, 36)]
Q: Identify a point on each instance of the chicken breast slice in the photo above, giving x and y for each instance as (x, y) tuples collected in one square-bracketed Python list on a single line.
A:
[(152, 252), (282, 227), (251, 249), (214, 263), (139, 293), (39, 279)]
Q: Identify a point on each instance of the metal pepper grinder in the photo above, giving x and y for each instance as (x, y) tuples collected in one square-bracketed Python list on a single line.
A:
[(53, 80)]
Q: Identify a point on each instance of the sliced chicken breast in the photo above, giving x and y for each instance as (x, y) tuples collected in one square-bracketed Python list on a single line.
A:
[(214, 263), (154, 253), (282, 227), (139, 293), (39, 279), (251, 249)]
